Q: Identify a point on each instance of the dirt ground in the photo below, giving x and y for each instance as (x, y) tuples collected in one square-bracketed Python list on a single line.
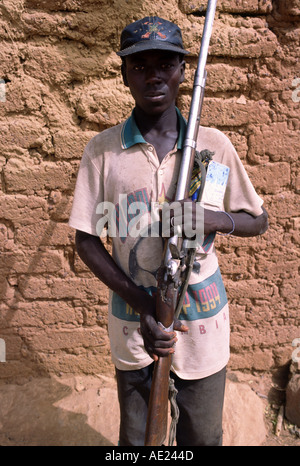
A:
[(289, 434), (83, 411), (272, 391)]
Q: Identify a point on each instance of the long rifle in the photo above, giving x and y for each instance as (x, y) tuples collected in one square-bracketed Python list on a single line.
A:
[(169, 274)]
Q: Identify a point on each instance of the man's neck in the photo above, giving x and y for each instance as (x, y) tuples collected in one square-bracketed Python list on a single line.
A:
[(159, 130), (160, 123)]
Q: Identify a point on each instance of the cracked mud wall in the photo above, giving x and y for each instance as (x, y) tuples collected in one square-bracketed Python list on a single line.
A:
[(62, 85)]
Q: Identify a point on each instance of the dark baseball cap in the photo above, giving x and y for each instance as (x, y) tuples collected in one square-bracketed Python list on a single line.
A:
[(151, 33)]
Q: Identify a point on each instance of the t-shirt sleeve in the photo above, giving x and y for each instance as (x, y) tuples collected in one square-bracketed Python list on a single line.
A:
[(88, 194), (240, 193)]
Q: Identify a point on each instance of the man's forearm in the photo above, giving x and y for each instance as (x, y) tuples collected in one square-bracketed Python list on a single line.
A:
[(93, 253), (185, 214), (243, 224)]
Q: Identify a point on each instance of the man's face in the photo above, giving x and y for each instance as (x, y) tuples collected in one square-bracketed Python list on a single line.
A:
[(153, 78)]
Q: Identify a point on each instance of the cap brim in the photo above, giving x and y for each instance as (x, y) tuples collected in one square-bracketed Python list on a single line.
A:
[(151, 45)]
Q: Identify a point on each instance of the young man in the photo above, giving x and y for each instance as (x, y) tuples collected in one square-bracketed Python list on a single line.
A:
[(133, 167)]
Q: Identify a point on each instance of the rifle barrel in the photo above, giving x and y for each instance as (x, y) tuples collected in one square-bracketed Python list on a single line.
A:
[(189, 147)]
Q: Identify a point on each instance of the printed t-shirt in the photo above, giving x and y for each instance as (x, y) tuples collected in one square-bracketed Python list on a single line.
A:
[(121, 173)]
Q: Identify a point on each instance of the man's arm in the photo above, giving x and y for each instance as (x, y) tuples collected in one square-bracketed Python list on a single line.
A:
[(245, 225), (93, 253)]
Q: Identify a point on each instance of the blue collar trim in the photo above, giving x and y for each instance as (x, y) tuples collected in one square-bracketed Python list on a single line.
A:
[(131, 135)]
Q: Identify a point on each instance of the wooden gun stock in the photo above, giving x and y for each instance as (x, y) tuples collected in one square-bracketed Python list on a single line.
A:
[(157, 423), (156, 428), (157, 419)]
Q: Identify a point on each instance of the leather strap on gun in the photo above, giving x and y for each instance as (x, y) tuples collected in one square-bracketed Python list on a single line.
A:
[(169, 277)]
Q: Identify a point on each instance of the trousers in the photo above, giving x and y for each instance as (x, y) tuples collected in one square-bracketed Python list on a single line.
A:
[(200, 404)]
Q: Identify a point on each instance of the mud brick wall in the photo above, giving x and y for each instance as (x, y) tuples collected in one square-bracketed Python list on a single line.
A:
[(60, 85)]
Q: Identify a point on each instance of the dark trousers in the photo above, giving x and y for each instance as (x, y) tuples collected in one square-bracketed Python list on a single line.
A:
[(200, 404)]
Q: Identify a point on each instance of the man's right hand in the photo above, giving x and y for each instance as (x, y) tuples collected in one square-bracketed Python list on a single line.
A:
[(158, 342)]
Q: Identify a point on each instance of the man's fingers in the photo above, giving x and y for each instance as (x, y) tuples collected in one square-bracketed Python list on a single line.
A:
[(155, 353), (180, 327)]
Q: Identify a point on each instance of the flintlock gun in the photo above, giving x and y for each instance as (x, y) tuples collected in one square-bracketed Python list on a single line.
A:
[(169, 274)]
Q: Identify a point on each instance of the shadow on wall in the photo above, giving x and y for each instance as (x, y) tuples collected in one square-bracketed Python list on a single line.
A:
[(42, 257)]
